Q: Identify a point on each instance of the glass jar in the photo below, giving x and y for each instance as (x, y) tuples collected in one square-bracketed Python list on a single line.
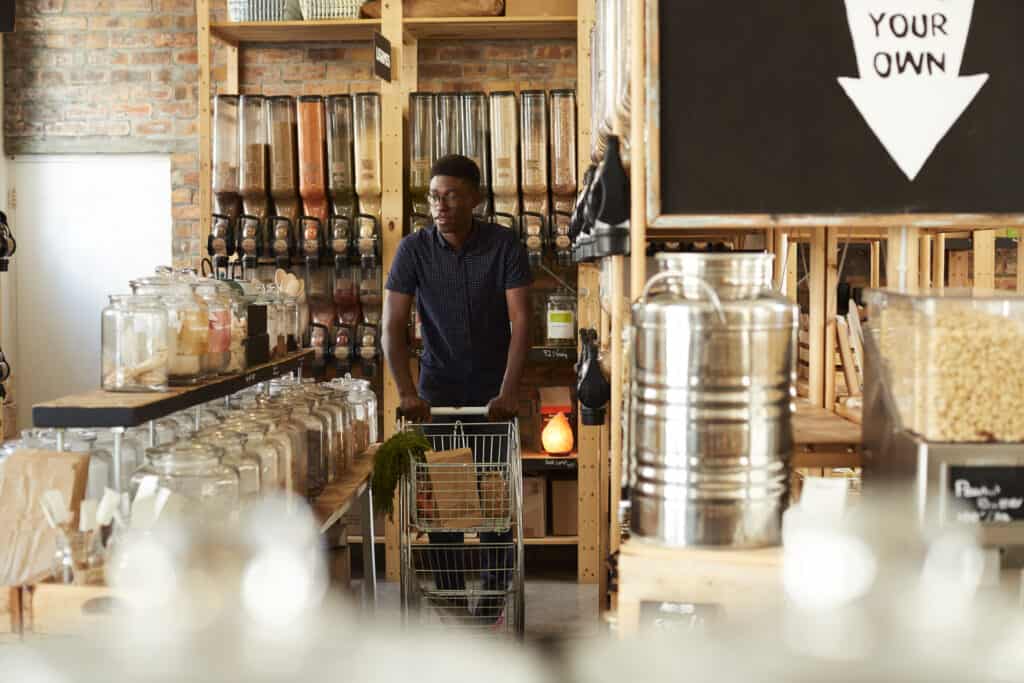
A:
[(290, 437), (217, 358), (560, 319), (335, 404), (239, 328), (277, 321), (316, 432), (134, 333), (188, 321), (195, 472), (363, 410), (257, 445), (233, 445), (133, 450)]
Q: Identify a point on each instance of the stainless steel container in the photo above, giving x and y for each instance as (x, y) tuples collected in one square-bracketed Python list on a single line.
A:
[(711, 402)]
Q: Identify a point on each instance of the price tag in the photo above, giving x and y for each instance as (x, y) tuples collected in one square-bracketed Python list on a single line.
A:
[(989, 495)]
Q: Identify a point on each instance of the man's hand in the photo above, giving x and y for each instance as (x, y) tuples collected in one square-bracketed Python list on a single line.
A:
[(502, 407), (415, 408)]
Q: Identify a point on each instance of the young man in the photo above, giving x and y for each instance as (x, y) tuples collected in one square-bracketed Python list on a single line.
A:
[(471, 283)]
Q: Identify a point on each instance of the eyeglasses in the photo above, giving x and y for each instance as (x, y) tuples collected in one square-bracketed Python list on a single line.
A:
[(451, 198)]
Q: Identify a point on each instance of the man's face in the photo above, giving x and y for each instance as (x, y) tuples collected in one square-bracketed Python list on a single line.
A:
[(451, 202)]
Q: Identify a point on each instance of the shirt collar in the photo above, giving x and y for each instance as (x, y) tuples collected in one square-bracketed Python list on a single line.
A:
[(474, 236)]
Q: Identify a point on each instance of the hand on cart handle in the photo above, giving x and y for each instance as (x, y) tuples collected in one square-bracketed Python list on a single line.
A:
[(502, 407), (414, 409)]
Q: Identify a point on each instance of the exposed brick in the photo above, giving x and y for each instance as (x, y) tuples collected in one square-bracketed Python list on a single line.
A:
[(129, 76), (153, 127), (186, 57), (86, 111), (133, 110), (502, 51), (181, 195), (303, 72)]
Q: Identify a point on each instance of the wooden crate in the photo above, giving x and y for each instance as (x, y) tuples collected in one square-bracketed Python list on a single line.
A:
[(737, 582)]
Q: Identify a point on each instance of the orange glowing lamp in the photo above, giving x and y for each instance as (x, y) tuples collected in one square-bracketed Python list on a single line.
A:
[(557, 436)]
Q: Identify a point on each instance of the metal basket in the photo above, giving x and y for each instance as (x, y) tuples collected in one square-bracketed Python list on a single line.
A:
[(255, 10), (330, 9), (466, 587)]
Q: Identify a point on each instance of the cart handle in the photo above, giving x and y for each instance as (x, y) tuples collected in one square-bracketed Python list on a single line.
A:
[(472, 411)]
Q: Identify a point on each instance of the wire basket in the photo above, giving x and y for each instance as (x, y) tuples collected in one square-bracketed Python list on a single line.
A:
[(255, 10), (330, 9), (468, 587)]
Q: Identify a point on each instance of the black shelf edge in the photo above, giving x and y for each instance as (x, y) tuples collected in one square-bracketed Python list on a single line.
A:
[(551, 354), (553, 464), (84, 417)]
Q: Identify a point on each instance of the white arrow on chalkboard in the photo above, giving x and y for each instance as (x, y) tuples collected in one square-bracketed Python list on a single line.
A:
[(910, 91)]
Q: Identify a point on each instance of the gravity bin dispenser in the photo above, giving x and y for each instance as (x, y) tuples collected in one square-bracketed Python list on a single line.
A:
[(942, 428), (534, 156), (422, 134)]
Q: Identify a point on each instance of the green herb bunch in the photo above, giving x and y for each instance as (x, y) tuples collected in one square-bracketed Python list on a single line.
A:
[(393, 460)]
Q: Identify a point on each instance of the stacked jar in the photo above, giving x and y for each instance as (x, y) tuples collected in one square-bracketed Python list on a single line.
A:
[(134, 344), (195, 472), (217, 358), (235, 455)]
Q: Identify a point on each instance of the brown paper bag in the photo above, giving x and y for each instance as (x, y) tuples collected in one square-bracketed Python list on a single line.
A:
[(453, 486), (440, 8), (27, 543)]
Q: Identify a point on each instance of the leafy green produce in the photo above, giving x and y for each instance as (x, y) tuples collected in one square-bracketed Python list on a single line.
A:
[(393, 460)]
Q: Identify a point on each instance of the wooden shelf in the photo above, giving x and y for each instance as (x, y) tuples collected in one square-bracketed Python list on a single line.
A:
[(338, 498), (552, 354), (823, 439), (238, 33), (491, 28), (109, 409), (545, 540), (537, 463)]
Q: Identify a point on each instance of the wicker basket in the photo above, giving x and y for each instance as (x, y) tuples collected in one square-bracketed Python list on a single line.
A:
[(255, 10), (330, 9)]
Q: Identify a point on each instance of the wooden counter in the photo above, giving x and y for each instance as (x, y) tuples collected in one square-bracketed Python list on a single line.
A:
[(823, 439)]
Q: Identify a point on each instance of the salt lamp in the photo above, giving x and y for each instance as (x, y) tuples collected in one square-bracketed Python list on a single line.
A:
[(557, 435)]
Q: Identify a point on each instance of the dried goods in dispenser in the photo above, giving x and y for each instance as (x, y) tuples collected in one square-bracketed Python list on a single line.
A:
[(249, 245), (282, 240), (220, 245), (340, 177), (368, 175), (534, 166), (252, 146), (563, 171), (312, 157), (449, 125), (422, 134), (505, 157), (134, 343), (346, 295), (371, 295), (475, 127), (598, 134), (284, 179), (225, 156), (560, 319)]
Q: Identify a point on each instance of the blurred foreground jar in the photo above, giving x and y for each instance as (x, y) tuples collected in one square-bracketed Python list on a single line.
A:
[(135, 355), (195, 472), (711, 402), (235, 455)]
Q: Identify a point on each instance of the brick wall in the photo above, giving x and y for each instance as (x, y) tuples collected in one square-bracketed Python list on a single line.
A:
[(121, 76)]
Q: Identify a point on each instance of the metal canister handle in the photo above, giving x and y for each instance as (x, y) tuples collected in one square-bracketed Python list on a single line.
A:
[(708, 289)]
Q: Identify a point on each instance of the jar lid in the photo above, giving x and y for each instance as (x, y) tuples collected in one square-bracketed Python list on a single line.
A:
[(185, 454), (221, 438)]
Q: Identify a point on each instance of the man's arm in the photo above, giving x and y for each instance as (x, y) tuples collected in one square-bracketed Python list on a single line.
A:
[(395, 342), (506, 404)]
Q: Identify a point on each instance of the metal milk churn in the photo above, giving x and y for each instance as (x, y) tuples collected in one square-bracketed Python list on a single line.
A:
[(713, 384)]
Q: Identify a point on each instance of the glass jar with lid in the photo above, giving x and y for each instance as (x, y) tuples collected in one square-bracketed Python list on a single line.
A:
[(195, 472), (239, 324), (235, 455), (320, 410), (316, 431), (134, 333), (277, 325), (335, 404), (290, 437), (363, 410), (260, 447), (560, 319), (188, 320), (218, 304)]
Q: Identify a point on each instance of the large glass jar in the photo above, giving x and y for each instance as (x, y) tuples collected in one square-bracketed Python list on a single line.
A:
[(317, 434), (188, 321), (363, 410), (290, 437), (560, 319), (195, 472), (257, 445), (239, 327), (134, 332), (217, 358), (235, 455), (331, 402), (133, 450), (277, 321), (293, 311)]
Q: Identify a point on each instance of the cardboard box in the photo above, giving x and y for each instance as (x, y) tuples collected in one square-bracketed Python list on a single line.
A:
[(540, 8), (564, 506), (535, 521)]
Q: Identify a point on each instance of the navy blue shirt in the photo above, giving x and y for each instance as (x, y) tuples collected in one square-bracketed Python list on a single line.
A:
[(460, 299)]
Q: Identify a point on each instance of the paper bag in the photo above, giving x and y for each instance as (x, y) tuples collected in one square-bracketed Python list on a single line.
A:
[(27, 543), (453, 487)]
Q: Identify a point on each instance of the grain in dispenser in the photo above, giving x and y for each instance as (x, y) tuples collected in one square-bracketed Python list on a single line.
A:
[(227, 201), (253, 155), (284, 180), (368, 176), (534, 157), (475, 125), (505, 157), (312, 157), (422, 134), (711, 402), (340, 180), (563, 171)]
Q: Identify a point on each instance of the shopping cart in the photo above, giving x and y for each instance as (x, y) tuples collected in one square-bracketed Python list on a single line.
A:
[(460, 528)]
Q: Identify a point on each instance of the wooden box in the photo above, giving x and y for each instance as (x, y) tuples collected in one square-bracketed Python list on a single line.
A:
[(534, 507), (564, 507), (540, 8), (52, 609)]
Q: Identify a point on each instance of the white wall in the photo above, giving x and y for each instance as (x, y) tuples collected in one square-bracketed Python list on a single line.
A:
[(85, 225)]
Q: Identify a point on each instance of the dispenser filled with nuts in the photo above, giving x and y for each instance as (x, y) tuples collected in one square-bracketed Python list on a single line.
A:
[(422, 131), (505, 157), (563, 171), (534, 157), (368, 176)]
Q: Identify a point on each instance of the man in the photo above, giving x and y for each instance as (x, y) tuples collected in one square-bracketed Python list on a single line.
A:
[(471, 283)]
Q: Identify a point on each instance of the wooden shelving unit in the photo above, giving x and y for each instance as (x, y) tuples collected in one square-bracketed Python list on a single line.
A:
[(404, 35)]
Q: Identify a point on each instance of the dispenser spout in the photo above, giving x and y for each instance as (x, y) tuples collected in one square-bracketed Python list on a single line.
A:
[(592, 389)]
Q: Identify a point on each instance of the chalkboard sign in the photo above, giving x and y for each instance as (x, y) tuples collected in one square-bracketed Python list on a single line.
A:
[(990, 495), (775, 112)]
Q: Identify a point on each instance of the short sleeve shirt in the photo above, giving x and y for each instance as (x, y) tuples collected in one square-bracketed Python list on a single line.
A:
[(463, 314)]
